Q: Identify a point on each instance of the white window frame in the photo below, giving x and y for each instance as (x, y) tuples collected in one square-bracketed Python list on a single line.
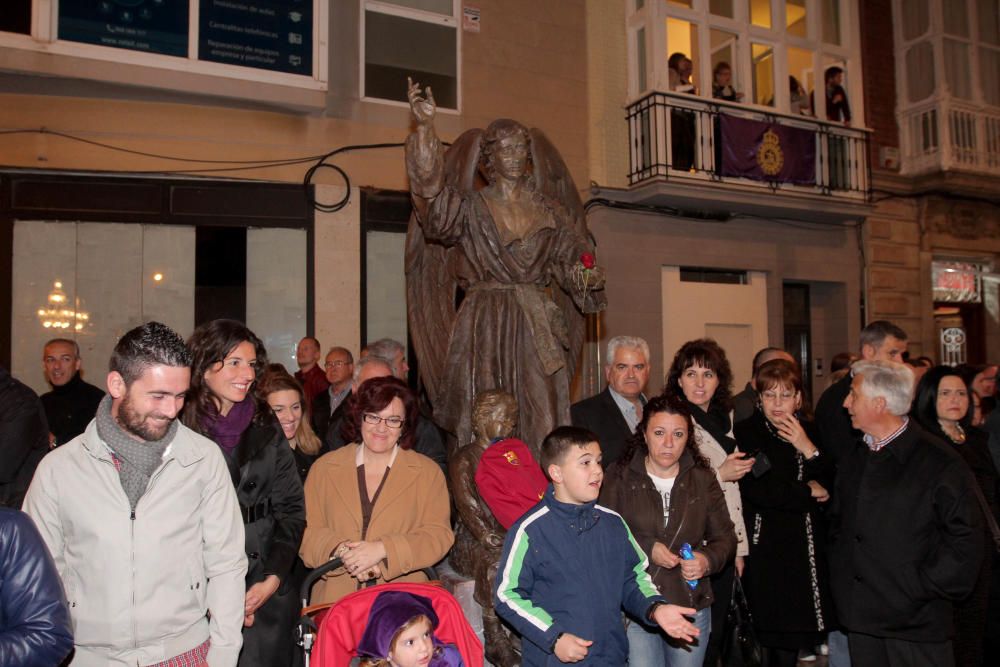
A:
[(653, 17), (453, 21), (90, 60)]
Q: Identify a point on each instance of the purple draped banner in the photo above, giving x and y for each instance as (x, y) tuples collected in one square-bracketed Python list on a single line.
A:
[(767, 151)]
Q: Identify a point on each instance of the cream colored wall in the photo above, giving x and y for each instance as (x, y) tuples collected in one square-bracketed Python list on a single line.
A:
[(634, 248), (528, 63), (337, 286), (734, 315), (607, 76)]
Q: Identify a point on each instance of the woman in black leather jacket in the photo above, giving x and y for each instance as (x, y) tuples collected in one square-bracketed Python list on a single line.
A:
[(227, 358)]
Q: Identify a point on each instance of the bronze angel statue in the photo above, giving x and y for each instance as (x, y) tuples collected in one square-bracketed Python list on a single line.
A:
[(499, 271)]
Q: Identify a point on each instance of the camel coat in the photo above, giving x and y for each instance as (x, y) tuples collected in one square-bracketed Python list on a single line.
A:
[(411, 517)]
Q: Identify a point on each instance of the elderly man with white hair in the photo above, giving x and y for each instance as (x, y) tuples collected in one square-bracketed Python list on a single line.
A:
[(907, 532), (614, 413)]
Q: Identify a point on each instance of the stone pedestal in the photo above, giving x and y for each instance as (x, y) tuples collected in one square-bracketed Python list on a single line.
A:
[(463, 588)]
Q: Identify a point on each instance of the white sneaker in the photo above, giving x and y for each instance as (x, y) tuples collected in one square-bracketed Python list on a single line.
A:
[(806, 656)]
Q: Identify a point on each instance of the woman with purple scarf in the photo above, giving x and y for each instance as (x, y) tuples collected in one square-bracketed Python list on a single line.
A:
[(227, 358)]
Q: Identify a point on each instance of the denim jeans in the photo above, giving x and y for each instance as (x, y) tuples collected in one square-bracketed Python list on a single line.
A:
[(840, 652), (650, 648)]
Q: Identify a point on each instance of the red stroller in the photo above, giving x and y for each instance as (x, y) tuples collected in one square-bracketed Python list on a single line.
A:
[(342, 623)]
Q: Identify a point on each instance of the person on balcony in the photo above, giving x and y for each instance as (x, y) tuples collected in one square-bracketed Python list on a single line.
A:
[(682, 121), (838, 109), (800, 104), (722, 83)]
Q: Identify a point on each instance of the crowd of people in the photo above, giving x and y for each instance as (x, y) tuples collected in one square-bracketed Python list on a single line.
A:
[(182, 504)]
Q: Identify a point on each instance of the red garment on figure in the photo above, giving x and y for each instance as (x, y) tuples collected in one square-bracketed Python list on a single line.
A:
[(313, 383), (510, 480)]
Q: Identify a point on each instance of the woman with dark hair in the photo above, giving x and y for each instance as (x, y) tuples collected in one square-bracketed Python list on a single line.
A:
[(700, 376), (982, 380), (668, 495), (378, 505), (943, 407), (785, 578), (286, 398), (226, 360)]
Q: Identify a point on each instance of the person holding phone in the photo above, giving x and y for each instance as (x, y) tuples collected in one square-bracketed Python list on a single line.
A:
[(785, 578), (700, 375)]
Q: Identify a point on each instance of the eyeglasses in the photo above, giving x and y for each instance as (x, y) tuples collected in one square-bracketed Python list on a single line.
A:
[(337, 364), (773, 397), (391, 422)]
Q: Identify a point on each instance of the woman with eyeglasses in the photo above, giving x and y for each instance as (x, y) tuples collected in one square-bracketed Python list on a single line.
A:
[(377, 504), (785, 575), (227, 360)]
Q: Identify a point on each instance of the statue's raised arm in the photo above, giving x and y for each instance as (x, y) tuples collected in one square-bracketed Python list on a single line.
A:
[(424, 153)]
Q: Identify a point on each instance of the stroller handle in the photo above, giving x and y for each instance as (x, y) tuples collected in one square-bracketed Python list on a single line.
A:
[(305, 592)]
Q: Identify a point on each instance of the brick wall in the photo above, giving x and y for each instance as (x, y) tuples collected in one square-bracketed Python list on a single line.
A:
[(879, 63)]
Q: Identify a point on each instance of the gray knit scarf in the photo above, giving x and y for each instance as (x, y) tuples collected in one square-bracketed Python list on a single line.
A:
[(137, 460)]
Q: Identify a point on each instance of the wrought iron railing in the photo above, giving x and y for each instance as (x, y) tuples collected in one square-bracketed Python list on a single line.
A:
[(678, 136)]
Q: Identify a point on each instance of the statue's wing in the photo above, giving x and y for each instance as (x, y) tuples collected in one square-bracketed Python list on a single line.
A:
[(431, 274), (552, 179)]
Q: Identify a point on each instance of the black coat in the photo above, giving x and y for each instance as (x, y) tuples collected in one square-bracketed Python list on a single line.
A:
[(70, 408), (602, 415), (270, 494), (24, 438), (321, 418), (907, 538), (786, 577), (838, 437)]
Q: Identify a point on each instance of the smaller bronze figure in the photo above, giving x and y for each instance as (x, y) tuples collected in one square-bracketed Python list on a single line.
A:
[(479, 536)]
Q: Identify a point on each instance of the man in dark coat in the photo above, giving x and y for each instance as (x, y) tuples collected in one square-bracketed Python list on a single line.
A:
[(880, 341), (72, 403), (614, 413), (907, 532), (339, 368), (24, 438)]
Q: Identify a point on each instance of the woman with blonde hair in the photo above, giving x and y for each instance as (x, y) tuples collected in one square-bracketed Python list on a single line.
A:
[(286, 397)]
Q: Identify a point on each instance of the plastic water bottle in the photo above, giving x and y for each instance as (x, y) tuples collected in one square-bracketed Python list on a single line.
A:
[(688, 554)]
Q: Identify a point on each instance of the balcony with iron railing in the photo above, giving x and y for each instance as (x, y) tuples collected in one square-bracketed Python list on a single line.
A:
[(715, 156), (949, 134)]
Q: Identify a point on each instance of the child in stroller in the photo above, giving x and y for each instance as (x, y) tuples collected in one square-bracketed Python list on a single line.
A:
[(400, 633)]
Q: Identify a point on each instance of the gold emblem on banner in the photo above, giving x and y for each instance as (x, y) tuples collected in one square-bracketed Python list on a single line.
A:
[(770, 157)]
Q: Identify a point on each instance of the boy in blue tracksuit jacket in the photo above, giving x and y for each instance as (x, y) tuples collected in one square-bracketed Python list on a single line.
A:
[(569, 566)]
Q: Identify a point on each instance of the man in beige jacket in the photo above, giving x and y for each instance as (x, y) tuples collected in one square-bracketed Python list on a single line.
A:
[(141, 518)]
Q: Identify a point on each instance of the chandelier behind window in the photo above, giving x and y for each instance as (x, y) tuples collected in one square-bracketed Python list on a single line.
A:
[(58, 315)]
